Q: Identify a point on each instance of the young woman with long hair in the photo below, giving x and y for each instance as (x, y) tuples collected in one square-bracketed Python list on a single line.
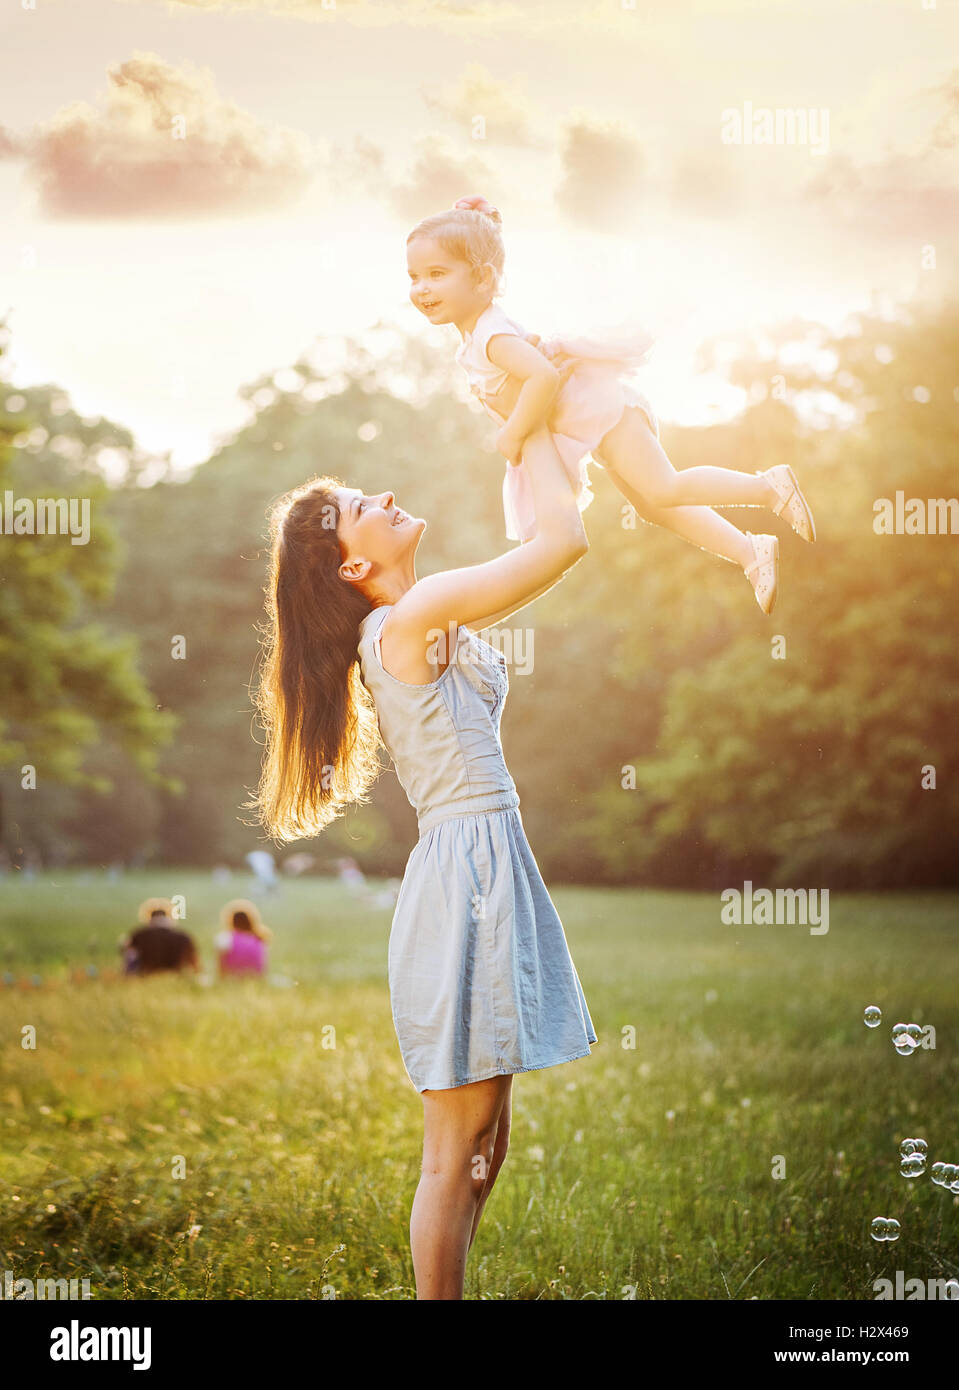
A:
[(482, 984)]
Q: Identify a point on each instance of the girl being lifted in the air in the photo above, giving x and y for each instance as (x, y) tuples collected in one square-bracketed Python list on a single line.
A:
[(574, 387)]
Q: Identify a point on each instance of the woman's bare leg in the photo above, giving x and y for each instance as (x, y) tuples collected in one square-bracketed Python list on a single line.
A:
[(460, 1126), (633, 451), (500, 1147)]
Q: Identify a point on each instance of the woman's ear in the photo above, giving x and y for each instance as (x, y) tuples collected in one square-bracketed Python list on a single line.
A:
[(354, 570)]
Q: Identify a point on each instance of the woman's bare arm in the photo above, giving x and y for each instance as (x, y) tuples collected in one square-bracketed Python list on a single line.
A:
[(501, 585)]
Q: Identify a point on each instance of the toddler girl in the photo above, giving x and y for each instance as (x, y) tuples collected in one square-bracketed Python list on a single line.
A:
[(575, 386)]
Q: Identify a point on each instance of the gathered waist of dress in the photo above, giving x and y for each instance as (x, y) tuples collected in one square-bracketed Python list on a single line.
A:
[(479, 805)]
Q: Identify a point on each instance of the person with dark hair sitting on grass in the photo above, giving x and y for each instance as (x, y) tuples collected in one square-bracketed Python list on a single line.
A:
[(158, 944)]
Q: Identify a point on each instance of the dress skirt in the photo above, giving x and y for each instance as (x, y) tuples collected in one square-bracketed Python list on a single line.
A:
[(588, 405), (481, 979)]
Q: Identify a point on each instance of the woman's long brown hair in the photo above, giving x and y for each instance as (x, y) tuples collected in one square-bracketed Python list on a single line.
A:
[(322, 740)]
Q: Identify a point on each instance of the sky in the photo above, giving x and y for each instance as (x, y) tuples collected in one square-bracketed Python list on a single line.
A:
[(193, 194)]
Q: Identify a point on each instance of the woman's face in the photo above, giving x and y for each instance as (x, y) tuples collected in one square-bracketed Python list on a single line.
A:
[(373, 528)]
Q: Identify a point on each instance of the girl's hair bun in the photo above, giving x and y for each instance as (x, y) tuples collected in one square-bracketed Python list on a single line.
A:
[(477, 203)]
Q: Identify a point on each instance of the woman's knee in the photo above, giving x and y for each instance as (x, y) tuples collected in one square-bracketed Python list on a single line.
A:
[(466, 1134)]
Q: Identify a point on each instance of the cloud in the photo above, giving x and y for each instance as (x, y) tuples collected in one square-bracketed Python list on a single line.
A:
[(360, 168), (705, 185), (603, 185), (439, 176), (903, 196), (123, 159), (11, 145), (896, 199), (477, 93), (512, 17), (449, 16), (945, 136)]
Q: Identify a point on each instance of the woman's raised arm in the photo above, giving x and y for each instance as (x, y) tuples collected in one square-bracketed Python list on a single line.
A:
[(511, 580)]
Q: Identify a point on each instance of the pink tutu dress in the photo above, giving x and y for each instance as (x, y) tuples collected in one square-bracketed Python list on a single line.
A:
[(589, 403)]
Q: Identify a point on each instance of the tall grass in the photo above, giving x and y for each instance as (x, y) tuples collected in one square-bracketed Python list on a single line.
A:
[(641, 1171)]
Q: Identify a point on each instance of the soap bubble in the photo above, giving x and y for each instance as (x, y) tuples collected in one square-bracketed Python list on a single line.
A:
[(920, 1146), (884, 1228), (946, 1175), (872, 1016), (906, 1037), (912, 1166), (907, 1147)]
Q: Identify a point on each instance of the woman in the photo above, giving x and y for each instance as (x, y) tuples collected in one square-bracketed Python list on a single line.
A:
[(481, 981)]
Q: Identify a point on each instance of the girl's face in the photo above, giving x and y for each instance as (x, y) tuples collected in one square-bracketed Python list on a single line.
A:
[(373, 529), (442, 288)]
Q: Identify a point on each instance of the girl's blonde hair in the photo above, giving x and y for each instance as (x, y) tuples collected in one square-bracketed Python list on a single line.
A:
[(470, 235)]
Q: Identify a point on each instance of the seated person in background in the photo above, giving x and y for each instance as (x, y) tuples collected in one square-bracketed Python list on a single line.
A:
[(243, 942), (158, 943)]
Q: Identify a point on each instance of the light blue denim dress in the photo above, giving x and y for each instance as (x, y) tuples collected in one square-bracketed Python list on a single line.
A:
[(481, 979)]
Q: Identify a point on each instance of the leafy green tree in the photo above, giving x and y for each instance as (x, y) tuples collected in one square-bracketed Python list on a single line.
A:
[(69, 688)]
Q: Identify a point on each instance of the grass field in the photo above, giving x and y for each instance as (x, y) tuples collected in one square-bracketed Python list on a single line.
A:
[(646, 1168)]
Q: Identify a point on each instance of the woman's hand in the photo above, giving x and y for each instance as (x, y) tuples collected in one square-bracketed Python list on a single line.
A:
[(510, 445)]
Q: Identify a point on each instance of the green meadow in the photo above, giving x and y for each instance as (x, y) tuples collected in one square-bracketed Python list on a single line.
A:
[(726, 1054)]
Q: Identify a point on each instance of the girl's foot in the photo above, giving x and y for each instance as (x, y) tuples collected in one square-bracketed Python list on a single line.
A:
[(791, 505), (763, 571)]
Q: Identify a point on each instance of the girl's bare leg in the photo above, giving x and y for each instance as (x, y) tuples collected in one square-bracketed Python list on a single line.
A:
[(633, 451), (701, 526), (460, 1127)]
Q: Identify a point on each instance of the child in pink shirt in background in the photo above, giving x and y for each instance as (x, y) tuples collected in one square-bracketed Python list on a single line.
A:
[(242, 945)]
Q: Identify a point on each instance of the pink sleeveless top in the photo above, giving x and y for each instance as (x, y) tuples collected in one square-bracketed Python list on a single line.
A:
[(246, 953)]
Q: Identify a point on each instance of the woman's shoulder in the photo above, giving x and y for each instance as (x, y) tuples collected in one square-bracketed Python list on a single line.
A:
[(370, 627), (409, 633)]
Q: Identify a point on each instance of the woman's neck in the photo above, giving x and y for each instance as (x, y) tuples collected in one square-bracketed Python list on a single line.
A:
[(391, 587)]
